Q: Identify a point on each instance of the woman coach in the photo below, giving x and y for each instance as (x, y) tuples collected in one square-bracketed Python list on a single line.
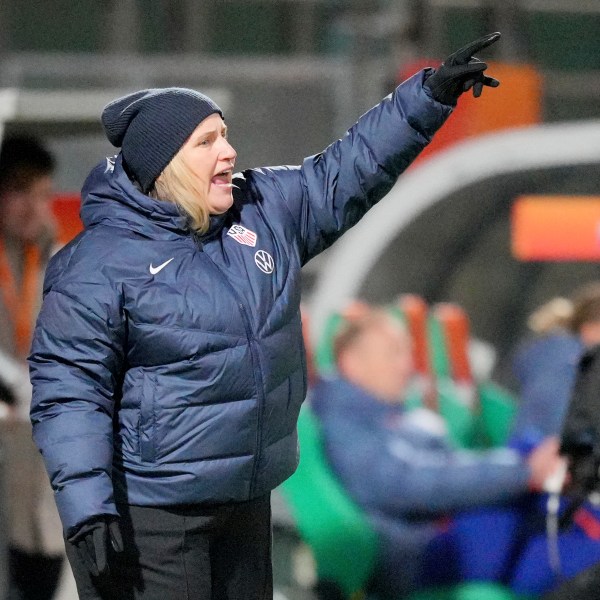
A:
[(167, 363)]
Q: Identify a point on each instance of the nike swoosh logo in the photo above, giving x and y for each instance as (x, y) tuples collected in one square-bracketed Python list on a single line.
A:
[(155, 270)]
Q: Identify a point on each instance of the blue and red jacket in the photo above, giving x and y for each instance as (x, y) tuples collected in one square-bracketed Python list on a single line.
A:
[(168, 368)]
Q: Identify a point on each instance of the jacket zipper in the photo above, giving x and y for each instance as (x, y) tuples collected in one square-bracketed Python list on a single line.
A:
[(258, 378)]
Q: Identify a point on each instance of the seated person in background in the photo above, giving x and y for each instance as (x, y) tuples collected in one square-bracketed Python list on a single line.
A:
[(399, 465), (544, 370), (545, 367), (578, 545)]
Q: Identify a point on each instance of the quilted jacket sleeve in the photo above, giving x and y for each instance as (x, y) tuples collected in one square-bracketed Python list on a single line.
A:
[(332, 190), (75, 363)]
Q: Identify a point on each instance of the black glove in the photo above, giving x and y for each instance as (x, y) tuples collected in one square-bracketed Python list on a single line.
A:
[(91, 541), (460, 72)]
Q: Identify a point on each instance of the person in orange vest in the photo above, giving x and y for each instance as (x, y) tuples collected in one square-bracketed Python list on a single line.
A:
[(35, 544)]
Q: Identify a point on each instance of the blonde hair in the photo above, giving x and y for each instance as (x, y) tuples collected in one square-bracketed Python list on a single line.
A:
[(179, 185), (554, 314)]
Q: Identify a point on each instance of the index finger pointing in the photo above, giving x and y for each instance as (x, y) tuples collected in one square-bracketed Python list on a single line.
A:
[(462, 56)]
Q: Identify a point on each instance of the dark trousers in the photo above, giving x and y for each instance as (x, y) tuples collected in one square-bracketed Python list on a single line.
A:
[(32, 576), (187, 553)]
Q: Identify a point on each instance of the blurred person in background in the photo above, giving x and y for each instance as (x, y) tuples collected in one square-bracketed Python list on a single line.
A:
[(35, 544), (576, 548), (544, 366), (399, 465), (167, 364), (565, 337)]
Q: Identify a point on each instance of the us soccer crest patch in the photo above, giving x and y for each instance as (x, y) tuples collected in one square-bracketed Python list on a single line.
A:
[(242, 235)]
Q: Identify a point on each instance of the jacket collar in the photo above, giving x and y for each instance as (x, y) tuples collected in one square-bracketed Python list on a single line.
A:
[(110, 197)]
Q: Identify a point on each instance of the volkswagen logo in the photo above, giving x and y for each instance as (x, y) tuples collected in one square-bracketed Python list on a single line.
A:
[(264, 261)]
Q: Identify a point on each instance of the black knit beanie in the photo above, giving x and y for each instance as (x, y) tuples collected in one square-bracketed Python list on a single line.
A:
[(150, 126)]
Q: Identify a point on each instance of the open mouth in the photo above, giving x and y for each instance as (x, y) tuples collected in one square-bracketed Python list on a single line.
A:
[(223, 178)]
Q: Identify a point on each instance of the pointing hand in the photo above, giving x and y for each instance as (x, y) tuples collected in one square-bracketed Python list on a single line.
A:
[(462, 71)]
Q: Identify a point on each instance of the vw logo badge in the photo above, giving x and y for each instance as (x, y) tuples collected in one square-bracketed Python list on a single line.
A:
[(264, 261)]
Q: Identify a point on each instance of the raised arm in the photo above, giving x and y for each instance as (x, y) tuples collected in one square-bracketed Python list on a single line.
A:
[(333, 190)]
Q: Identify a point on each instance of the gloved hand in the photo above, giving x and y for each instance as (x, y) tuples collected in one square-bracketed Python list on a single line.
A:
[(93, 541), (461, 71)]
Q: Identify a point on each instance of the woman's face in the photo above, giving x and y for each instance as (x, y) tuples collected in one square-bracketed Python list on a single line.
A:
[(211, 159)]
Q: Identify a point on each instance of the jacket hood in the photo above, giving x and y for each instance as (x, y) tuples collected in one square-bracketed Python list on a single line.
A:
[(110, 197)]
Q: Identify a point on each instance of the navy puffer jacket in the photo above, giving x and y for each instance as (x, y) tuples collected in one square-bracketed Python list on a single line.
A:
[(169, 368)]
